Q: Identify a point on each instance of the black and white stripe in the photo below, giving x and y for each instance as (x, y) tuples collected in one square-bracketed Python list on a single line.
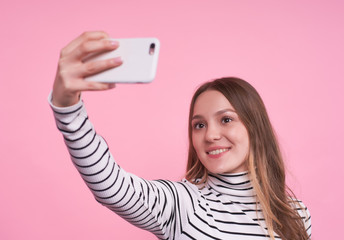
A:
[(223, 208)]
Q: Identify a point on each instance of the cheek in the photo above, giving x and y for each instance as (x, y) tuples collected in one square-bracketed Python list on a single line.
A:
[(197, 143), (240, 136), (245, 141)]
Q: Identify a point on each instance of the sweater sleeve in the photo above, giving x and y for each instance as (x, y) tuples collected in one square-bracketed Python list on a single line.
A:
[(150, 205)]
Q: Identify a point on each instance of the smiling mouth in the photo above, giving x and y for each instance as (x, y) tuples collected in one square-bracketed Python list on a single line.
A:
[(218, 151)]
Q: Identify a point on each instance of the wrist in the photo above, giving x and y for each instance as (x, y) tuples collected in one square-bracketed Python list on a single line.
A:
[(65, 100)]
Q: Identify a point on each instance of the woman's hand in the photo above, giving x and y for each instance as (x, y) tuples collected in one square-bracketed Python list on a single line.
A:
[(69, 81)]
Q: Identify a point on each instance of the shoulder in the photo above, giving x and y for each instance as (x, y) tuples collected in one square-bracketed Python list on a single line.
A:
[(186, 189), (193, 187), (182, 187), (300, 207)]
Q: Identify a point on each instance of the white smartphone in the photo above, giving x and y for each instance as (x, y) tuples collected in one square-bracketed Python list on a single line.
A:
[(140, 60)]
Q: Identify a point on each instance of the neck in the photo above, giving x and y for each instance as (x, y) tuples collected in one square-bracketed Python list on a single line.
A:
[(235, 184)]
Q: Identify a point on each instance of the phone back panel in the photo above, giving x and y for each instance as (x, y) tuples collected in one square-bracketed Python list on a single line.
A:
[(140, 60)]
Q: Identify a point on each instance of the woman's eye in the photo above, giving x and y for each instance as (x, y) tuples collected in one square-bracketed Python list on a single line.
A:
[(198, 125), (226, 119)]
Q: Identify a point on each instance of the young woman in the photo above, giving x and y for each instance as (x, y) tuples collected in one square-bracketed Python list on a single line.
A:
[(235, 181)]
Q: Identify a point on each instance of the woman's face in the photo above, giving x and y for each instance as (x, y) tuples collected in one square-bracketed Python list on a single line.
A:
[(218, 136)]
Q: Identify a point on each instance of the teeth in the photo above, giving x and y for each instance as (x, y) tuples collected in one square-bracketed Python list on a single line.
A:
[(218, 151)]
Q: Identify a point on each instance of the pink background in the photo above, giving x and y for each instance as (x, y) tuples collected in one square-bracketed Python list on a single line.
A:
[(291, 51)]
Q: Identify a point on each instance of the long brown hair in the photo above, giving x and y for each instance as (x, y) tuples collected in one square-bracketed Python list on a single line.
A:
[(265, 163)]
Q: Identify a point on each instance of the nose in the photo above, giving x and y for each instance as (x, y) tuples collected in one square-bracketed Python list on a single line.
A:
[(213, 133)]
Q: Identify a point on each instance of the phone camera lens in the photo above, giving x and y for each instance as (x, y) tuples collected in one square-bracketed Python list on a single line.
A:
[(152, 49)]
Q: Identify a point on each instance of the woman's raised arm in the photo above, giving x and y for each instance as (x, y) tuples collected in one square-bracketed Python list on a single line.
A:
[(150, 205)]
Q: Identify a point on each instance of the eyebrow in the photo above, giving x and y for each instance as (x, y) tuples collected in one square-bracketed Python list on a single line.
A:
[(217, 113)]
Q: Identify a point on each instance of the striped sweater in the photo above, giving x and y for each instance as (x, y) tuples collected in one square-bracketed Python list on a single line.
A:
[(222, 208)]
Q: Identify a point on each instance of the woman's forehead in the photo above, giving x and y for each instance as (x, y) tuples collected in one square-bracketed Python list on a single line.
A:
[(210, 102)]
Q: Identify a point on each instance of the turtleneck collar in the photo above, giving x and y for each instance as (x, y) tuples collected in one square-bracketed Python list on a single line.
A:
[(234, 184)]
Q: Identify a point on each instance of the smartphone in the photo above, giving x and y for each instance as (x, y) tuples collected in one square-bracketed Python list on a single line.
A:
[(140, 60)]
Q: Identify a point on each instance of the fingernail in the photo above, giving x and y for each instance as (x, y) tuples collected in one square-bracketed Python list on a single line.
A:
[(117, 60), (114, 43)]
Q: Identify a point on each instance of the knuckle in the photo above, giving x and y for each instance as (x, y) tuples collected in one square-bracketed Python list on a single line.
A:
[(91, 68), (70, 86), (85, 35), (62, 64), (106, 44), (101, 34), (91, 86), (63, 52), (89, 35), (109, 63), (64, 76), (84, 47)]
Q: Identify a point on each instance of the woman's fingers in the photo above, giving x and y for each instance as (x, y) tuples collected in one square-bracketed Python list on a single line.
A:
[(94, 86), (84, 37), (91, 68), (88, 47)]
